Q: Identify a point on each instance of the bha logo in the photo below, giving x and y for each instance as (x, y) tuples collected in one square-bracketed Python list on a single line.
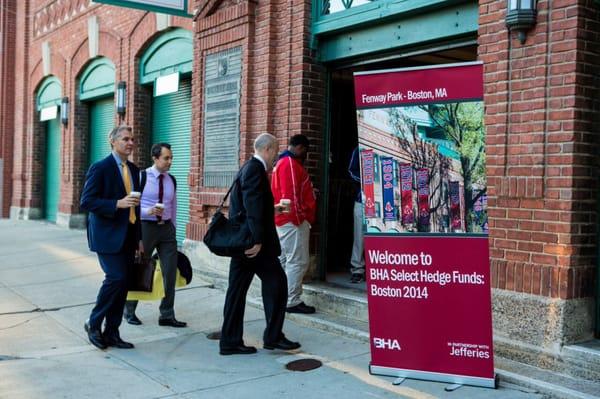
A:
[(386, 343)]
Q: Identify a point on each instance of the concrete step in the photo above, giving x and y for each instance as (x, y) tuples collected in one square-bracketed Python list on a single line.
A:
[(548, 383), (582, 360), (343, 326)]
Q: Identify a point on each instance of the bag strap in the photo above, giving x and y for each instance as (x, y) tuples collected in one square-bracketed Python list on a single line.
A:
[(237, 179)]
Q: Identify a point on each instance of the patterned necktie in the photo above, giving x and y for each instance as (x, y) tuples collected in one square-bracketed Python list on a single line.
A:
[(161, 191), (127, 183)]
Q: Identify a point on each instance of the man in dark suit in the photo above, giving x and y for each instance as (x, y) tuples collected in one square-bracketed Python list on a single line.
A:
[(111, 196), (252, 196)]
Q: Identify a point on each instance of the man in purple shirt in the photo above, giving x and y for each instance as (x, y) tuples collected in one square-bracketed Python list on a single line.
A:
[(158, 209)]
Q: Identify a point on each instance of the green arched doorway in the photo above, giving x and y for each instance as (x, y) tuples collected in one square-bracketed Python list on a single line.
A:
[(167, 66), (48, 100), (96, 89)]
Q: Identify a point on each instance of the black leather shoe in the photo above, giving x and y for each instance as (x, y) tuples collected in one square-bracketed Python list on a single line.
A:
[(95, 336), (237, 350), (301, 308), (116, 341), (283, 344), (133, 319), (172, 323)]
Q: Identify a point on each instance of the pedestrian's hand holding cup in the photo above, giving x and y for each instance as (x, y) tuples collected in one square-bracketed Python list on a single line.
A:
[(159, 208), (285, 205), (136, 196)]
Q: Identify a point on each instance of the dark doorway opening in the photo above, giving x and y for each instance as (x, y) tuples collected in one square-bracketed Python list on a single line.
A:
[(343, 138)]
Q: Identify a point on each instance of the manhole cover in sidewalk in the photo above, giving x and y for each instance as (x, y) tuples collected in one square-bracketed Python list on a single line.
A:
[(216, 335), (304, 365)]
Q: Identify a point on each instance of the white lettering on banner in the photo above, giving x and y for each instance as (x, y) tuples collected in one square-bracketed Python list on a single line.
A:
[(390, 258), (469, 350), (441, 93), (419, 95), (386, 343), (378, 99), (472, 278), (411, 292)]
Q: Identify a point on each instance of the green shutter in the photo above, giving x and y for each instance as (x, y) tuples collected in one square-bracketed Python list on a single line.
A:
[(102, 115), (52, 170), (171, 123)]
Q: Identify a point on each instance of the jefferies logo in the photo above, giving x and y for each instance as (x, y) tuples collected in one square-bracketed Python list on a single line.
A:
[(386, 343)]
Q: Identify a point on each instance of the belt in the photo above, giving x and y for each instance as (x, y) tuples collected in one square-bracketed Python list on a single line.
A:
[(156, 221)]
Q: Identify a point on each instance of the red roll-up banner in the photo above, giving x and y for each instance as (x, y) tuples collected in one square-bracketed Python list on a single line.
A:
[(428, 275)]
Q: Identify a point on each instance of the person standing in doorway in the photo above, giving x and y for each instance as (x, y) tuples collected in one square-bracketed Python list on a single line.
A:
[(158, 209), (111, 196), (357, 260), (290, 181), (252, 196)]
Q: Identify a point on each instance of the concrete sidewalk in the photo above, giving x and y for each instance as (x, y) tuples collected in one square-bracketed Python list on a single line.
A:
[(48, 283)]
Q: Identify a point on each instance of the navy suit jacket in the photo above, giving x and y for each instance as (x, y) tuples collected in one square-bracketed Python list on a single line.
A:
[(107, 225), (253, 197)]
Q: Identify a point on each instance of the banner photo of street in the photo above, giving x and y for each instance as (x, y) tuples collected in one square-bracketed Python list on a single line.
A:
[(423, 163), (421, 140)]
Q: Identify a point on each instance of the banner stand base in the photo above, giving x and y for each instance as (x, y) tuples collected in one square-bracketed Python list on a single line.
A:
[(455, 379), (453, 387)]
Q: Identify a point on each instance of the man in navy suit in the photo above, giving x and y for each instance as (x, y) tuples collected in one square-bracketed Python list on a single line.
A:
[(111, 196), (252, 196)]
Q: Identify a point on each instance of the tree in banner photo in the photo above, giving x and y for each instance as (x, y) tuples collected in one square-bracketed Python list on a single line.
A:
[(432, 162)]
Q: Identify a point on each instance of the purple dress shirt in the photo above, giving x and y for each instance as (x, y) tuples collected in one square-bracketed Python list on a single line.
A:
[(150, 196)]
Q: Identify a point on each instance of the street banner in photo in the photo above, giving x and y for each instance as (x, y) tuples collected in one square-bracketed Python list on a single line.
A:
[(428, 279), (406, 184), (423, 196), (387, 175), (455, 219), (368, 178)]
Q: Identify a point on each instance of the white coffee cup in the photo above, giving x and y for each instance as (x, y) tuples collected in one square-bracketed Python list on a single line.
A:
[(159, 205), (285, 204), (135, 194)]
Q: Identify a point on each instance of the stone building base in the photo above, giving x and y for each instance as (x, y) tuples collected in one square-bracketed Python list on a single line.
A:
[(25, 213), (537, 330), (71, 220)]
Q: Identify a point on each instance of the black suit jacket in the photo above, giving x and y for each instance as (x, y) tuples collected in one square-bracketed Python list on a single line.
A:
[(107, 225), (252, 196)]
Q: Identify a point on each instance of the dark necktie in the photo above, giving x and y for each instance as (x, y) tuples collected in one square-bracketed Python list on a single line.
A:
[(161, 191)]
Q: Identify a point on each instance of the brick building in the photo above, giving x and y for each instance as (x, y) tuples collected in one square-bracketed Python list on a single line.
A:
[(245, 67)]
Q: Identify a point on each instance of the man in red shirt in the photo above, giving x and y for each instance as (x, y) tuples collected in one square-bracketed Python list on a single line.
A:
[(290, 181)]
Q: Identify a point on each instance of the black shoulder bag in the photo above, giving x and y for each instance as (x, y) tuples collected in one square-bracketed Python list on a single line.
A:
[(228, 237)]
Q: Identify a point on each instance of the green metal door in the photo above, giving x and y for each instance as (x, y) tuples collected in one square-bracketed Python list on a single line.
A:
[(102, 116), (171, 123), (52, 170)]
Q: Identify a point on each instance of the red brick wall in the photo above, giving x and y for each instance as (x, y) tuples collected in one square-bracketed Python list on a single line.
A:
[(123, 35), (282, 88), (8, 9), (541, 117)]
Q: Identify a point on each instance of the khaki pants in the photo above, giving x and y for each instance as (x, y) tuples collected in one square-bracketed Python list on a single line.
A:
[(357, 261), (294, 257)]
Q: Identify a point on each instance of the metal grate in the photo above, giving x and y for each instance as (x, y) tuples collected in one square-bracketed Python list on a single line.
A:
[(304, 365)]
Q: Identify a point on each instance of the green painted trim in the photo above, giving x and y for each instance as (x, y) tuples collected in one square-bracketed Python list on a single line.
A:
[(49, 93), (406, 30), (146, 7), (324, 197), (166, 66), (100, 70), (376, 12)]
